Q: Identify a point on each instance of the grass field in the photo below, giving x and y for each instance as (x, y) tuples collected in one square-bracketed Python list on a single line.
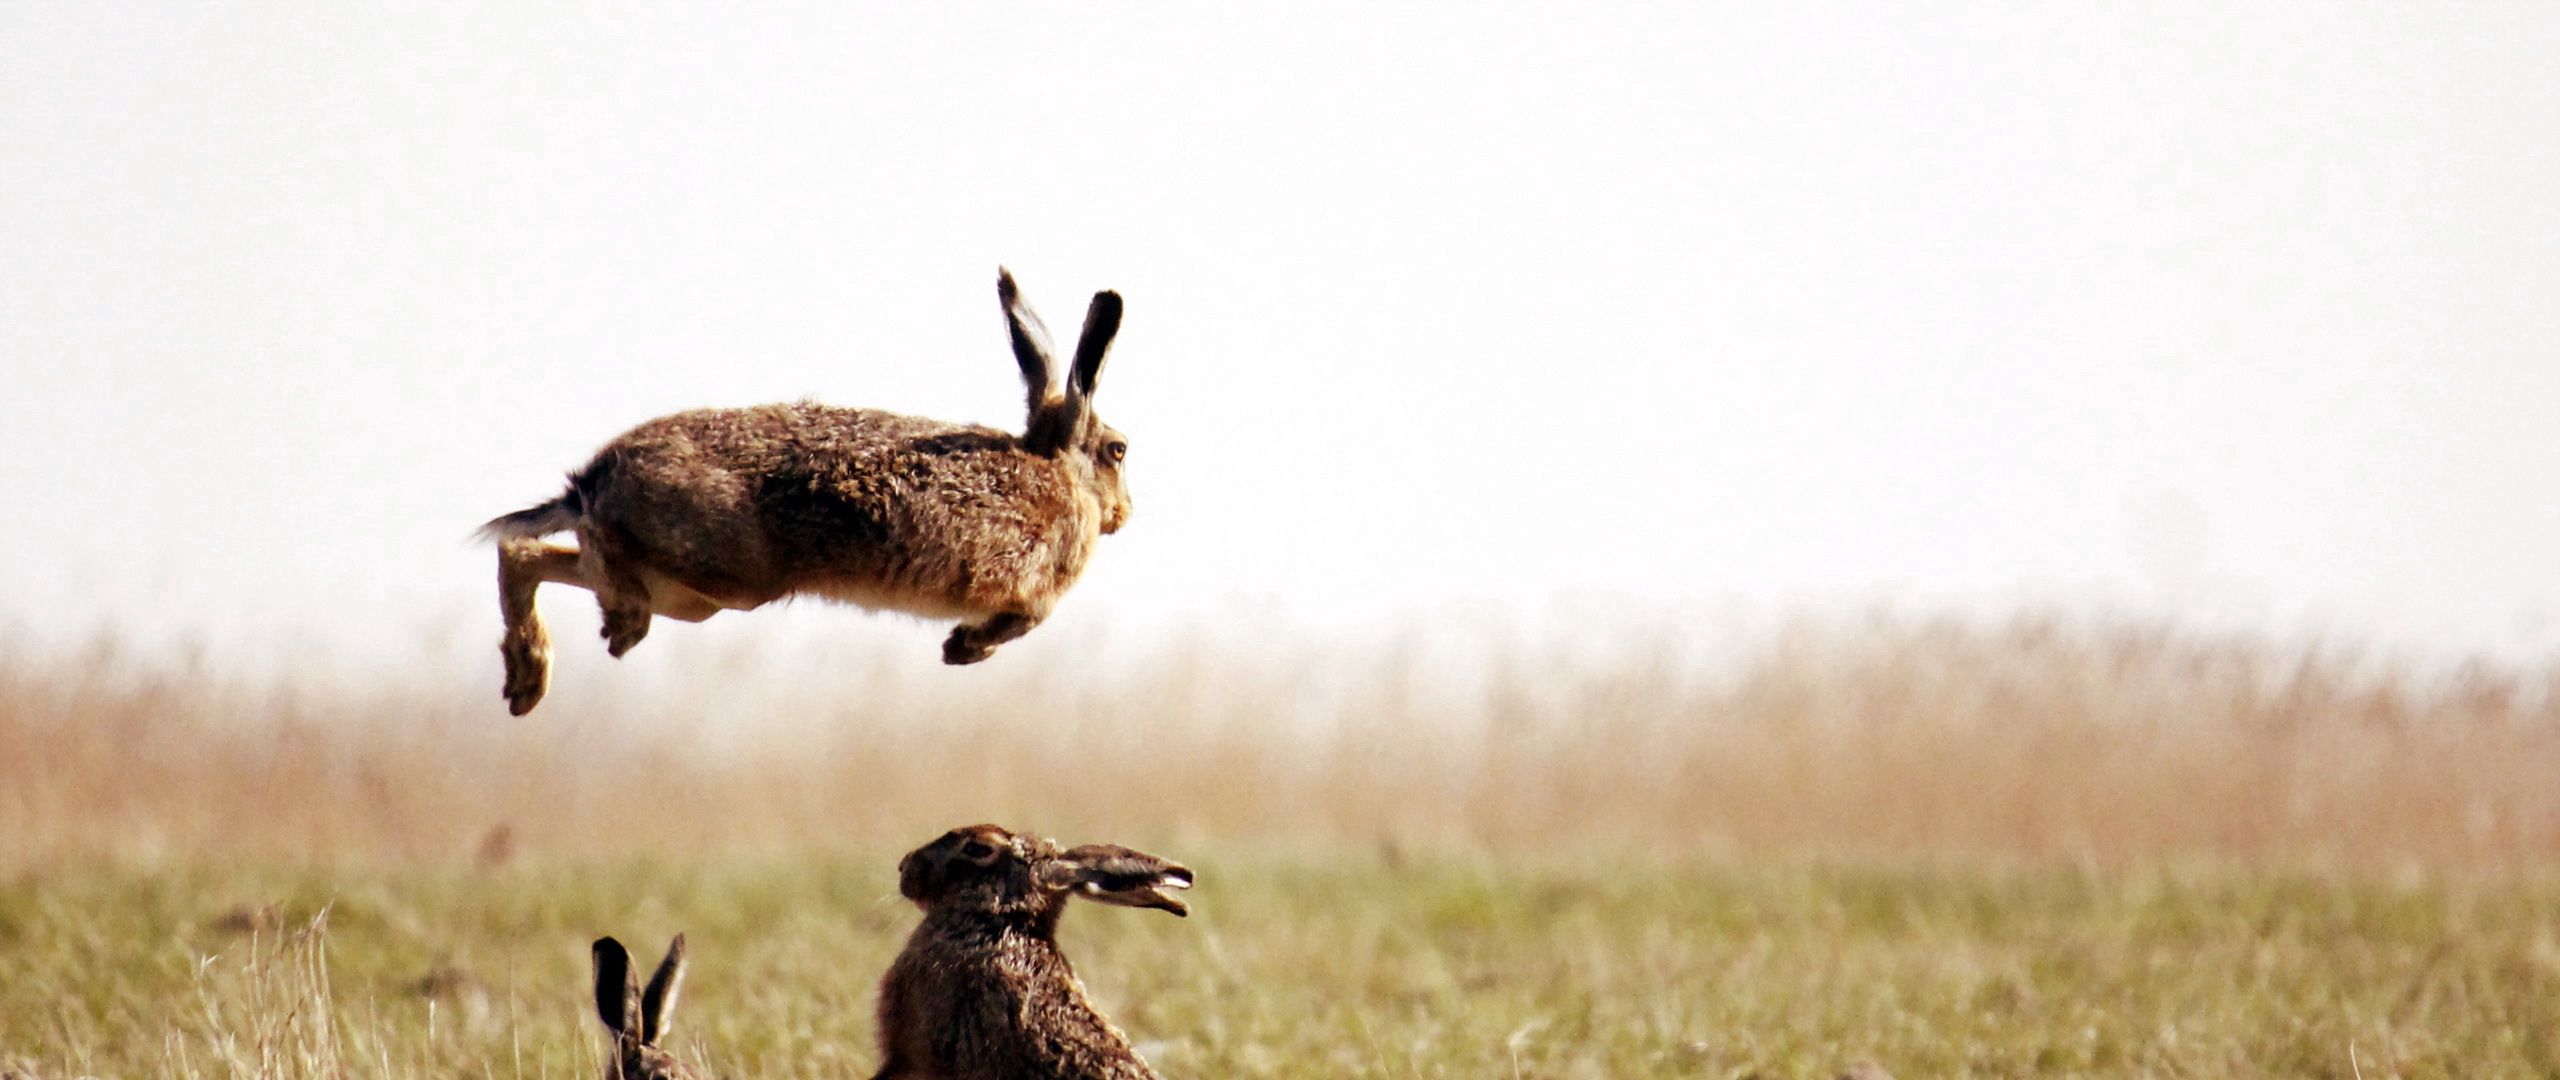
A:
[(2042, 848), (1340, 967)]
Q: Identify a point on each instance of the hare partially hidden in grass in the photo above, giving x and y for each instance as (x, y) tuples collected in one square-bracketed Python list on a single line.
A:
[(731, 509), (982, 991), (640, 1019)]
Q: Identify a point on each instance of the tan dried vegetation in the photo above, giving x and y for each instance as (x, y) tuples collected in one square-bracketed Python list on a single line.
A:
[(2043, 847), (2038, 740)]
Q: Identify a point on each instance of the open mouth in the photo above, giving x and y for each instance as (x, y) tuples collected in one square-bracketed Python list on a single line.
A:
[(1118, 875)]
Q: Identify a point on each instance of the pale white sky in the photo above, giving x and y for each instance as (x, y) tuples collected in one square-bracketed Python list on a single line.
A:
[(2251, 316)]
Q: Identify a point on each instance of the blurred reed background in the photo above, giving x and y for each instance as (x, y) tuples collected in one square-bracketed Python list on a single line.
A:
[(2042, 739)]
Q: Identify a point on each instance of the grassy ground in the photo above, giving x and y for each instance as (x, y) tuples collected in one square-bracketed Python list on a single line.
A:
[(2035, 848), (1359, 965)]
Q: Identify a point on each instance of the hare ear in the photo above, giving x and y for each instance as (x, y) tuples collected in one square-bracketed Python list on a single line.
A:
[(658, 1003), (1030, 339), (617, 987), (1101, 324)]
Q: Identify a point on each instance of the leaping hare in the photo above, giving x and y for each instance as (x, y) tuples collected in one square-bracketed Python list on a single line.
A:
[(982, 990), (731, 509), (640, 1019)]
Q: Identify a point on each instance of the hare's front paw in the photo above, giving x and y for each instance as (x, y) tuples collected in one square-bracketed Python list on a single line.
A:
[(962, 647), (970, 643), (624, 629)]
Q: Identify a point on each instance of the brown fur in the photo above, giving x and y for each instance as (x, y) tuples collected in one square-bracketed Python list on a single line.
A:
[(640, 1019), (731, 509), (982, 991)]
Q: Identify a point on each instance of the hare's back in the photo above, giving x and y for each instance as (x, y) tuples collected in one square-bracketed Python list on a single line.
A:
[(744, 504), (757, 438), (715, 454)]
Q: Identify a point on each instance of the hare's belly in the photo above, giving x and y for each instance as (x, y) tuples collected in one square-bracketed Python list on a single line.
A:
[(931, 603), (679, 600)]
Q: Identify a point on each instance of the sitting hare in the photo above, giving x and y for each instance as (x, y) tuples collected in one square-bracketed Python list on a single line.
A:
[(981, 991), (640, 1019), (730, 509)]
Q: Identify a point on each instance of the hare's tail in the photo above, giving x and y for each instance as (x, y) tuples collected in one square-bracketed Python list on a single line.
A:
[(558, 515)]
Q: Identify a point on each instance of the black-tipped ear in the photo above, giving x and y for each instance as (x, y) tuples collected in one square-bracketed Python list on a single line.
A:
[(617, 987), (1030, 339), (1101, 324), (658, 1003)]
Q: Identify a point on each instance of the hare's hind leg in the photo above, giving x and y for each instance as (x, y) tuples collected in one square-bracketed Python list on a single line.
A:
[(523, 565), (972, 642)]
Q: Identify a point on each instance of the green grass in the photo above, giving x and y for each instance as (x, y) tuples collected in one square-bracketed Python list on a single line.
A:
[(2043, 849), (1302, 966)]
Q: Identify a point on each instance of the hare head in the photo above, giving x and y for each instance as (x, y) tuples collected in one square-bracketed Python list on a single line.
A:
[(988, 870), (1061, 423), (639, 1018)]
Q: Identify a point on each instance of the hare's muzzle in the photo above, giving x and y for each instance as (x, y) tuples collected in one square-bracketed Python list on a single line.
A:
[(1118, 875)]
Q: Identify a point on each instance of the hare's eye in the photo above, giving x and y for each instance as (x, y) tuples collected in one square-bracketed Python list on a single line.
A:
[(978, 851), (1116, 450)]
